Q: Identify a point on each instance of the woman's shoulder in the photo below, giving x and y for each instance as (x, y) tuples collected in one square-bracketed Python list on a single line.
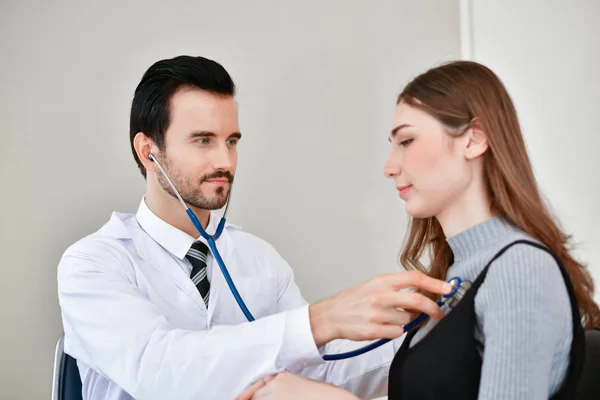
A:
[(524, 261), (521, 250), (525, 273), (520, 255)]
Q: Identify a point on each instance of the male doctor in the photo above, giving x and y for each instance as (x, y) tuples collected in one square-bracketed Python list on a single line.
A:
[(146, 311)]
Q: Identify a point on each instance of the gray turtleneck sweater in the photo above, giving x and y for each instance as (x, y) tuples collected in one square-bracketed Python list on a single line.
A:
[(524, 321)]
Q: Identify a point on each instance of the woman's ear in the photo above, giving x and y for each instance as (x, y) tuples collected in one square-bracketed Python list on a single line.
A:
[(477, 143)]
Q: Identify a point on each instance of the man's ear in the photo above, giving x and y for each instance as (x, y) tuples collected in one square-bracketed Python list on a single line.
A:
[(143, 147), (477, 142)]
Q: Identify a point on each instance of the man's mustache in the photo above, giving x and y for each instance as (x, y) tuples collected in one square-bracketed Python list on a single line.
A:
[(218, 174)]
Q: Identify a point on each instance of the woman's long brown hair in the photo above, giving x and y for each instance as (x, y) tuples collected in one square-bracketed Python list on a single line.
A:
[(463, 93)]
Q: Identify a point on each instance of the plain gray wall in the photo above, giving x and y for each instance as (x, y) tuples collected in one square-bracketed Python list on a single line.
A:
[(317, 85)]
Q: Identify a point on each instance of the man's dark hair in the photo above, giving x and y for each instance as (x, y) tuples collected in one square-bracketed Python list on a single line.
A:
[(150, 109)]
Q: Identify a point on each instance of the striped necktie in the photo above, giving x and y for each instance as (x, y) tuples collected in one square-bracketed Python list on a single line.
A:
[(197, 256)]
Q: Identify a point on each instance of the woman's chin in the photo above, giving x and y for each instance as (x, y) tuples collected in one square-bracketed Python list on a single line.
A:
[(416, 210)]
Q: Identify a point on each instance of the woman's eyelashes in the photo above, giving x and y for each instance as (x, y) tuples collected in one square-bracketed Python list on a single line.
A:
[(406, 142)]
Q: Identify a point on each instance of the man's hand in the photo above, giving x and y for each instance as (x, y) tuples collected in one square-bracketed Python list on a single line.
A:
[(288, 386), (376, 308)]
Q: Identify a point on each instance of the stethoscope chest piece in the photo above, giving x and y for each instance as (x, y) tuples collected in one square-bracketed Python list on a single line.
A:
[(460, 289)]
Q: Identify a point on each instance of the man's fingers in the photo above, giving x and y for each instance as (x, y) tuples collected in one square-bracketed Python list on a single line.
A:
[(419, 280), (265, 391), (249, 392), (392, 316), (413, 301), (390, 331)]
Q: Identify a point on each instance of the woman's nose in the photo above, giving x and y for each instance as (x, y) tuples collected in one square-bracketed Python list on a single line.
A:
[(392, 166)]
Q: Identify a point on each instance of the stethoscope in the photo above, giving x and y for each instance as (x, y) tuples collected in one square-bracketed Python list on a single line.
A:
[(459, 287)]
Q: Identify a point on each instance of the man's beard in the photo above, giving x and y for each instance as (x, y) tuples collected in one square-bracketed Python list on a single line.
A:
[(189, 188)]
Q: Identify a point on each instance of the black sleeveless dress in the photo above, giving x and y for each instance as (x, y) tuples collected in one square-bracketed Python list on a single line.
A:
[(446, 363)]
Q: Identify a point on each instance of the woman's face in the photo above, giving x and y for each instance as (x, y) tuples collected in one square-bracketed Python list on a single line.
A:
[(428, 165)]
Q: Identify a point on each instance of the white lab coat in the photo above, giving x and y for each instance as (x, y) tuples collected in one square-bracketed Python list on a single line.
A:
[(139, 329)]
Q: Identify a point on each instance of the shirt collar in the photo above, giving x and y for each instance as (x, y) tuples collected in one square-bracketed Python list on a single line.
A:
[(175, 241)]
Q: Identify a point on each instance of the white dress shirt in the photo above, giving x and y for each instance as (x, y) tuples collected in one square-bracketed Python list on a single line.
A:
[(139, 329)]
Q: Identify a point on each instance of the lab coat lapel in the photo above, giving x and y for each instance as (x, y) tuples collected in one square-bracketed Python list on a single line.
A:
[(163, 261)]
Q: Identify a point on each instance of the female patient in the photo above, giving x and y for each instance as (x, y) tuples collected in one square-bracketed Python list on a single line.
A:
[(459, 162)]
